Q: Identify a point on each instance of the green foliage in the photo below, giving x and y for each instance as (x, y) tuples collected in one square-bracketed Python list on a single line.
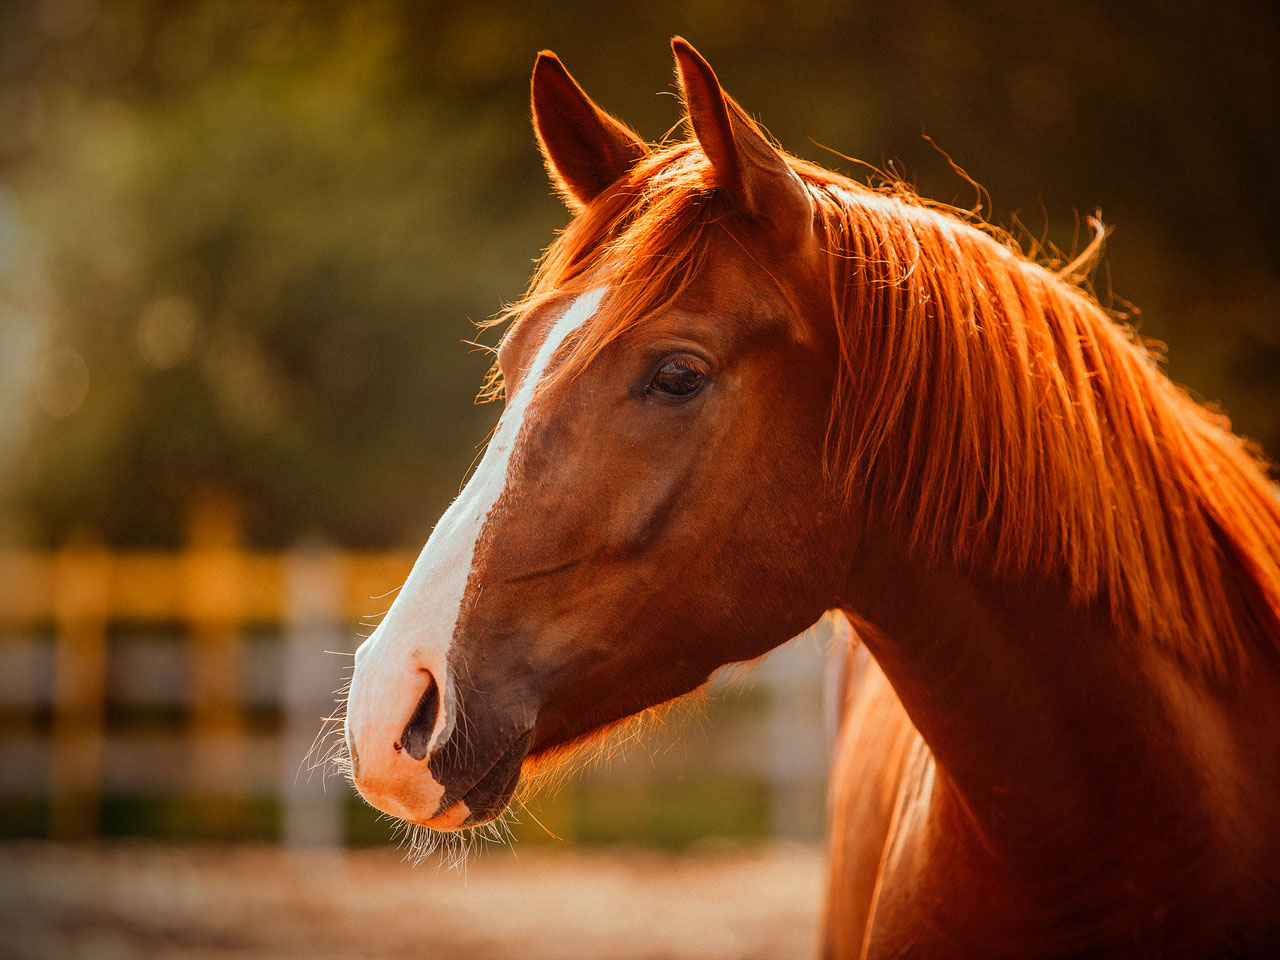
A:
[(240, 241)]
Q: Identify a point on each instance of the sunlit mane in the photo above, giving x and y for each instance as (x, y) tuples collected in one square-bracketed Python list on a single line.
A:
[(986, 405)]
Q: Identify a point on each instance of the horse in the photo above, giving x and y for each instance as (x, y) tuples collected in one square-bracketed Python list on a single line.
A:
[(743, 392)]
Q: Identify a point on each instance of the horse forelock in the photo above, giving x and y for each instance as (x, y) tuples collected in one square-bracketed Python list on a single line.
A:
[(986, 404)]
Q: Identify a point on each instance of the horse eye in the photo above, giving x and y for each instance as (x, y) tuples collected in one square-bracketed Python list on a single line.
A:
[(677, 378)]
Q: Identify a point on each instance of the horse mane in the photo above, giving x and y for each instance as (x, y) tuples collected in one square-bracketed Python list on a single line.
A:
[(986, 406)]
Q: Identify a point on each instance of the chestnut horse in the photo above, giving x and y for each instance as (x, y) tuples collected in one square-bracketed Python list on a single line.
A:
[(743, 391)]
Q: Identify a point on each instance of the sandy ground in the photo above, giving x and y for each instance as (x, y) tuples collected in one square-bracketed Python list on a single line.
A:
[(132, 901)]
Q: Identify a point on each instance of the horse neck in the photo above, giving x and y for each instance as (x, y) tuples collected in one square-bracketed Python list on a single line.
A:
[(1048, 726), (1070, 575)]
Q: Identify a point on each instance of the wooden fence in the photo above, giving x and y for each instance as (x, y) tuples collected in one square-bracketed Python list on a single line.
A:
[(211, 591), (60, 608)]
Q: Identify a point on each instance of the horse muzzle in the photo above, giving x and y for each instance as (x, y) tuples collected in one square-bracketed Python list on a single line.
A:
[(418, 755)]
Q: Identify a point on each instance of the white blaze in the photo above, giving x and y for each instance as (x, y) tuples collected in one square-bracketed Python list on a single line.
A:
[(417, 632)]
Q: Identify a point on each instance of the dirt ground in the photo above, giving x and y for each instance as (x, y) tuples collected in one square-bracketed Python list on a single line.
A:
[(124, 901)]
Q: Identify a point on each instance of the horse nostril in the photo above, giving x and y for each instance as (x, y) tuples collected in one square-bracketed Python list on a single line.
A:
[(417, 732)]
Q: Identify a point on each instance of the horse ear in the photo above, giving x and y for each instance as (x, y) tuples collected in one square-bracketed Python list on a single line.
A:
[(745, 164), (585, 149)]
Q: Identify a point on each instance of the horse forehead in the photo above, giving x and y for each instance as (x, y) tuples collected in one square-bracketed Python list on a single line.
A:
[(736, 292), (733, 308), (730, 291), (763, 289), (522, 339)]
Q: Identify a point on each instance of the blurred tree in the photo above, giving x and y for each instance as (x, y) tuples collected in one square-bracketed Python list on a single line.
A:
[(239, 240), (259, 264)]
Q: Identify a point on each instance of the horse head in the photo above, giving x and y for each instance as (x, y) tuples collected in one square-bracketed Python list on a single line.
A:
[(652, 504)]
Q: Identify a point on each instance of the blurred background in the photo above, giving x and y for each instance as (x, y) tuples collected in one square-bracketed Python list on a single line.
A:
[(240, 246)]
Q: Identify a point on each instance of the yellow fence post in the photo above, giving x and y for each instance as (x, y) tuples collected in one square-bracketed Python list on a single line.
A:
[(214, 597), (82, 586)]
